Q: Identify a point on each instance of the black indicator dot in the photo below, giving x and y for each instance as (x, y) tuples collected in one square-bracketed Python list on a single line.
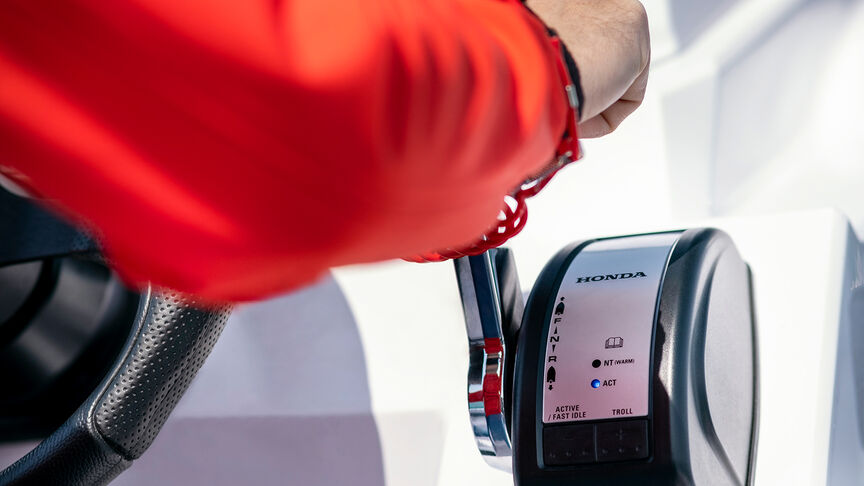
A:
[(596, 363)]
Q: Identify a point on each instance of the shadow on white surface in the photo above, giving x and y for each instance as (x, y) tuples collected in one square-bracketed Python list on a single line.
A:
[(284, 399)]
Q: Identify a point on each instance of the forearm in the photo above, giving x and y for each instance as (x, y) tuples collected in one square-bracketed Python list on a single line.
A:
[(269, 141)]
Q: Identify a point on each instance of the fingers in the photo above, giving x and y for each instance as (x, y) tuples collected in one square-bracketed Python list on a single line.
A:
[(609, 119), (636, 91)]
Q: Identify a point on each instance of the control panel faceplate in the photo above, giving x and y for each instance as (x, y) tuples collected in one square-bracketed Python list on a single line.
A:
[(598, 347)]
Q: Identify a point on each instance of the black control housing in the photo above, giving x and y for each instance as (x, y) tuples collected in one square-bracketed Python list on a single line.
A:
[(702, 421)]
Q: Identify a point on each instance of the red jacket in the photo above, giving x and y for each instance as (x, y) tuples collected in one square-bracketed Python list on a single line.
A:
[(235, 149)]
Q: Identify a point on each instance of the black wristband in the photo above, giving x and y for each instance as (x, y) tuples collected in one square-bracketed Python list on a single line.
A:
[(572, 69), (574, 76)]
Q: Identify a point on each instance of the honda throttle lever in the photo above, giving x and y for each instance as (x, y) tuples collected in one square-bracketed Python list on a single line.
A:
[(492, 302)]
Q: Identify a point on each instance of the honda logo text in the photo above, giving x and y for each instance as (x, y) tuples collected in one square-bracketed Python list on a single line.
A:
[(614, 276)]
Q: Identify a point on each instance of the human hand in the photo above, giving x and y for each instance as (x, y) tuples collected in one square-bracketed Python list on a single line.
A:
[(610, 43)]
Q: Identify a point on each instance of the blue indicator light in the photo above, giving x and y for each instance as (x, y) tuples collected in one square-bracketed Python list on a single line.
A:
[(595, 384)]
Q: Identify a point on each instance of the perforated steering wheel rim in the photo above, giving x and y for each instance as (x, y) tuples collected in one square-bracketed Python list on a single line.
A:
[(171, 337)]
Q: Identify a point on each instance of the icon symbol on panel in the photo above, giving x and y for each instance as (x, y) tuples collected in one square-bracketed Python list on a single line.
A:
[(550, 376), (559, 309), (614, 342)]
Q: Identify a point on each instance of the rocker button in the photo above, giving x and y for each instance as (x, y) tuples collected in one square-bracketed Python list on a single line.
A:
[(568, 444), (622, 441)]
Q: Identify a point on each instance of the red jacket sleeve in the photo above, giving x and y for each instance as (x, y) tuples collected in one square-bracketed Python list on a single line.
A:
[(234, 149)]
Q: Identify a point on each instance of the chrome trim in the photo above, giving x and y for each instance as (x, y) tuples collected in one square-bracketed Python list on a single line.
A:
[(572, 97), (482, 307)]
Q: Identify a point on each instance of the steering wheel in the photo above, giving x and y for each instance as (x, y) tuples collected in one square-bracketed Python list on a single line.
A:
[(58, 283)]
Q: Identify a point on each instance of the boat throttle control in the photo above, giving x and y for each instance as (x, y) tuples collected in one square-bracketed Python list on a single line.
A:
[(633, 362)]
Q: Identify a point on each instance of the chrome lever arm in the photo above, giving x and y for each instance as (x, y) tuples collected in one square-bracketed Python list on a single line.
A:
[(490, 329)]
